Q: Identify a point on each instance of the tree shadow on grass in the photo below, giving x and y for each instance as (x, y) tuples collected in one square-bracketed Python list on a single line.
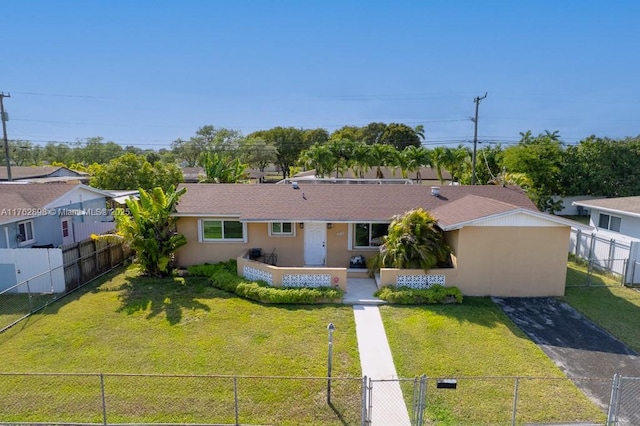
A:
[(171, 296)]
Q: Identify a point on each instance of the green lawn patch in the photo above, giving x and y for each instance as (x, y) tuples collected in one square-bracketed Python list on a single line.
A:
[(131, 324), (613, 307), (479, 345)]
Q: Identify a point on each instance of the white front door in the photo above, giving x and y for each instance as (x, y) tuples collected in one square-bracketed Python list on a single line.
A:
[(315, 237), (67, 230)]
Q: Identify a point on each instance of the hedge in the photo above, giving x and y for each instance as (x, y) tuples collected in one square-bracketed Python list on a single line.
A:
[(409, 296)]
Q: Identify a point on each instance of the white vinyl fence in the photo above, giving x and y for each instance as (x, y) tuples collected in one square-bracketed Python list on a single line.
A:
[(612, 253), (83, 230), (40, 270)]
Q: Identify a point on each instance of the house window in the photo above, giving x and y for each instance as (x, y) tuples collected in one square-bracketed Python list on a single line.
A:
[(25, 233), (222, 230), (611, 223), (369, 234), (65, 228), (281, 228)]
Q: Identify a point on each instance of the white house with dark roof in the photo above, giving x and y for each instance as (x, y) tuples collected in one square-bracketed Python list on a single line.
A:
[(503, 245), (620, 215)]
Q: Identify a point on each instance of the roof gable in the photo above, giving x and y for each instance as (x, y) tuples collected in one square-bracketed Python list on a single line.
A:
[(19, 199)]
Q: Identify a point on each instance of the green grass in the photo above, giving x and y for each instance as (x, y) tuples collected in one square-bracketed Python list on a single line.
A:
[(132, 324), (477, 339), (614, 307), (185, 327)]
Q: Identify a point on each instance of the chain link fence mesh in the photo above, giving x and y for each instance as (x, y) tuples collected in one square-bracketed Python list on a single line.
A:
[(251, 400), (181, 399)]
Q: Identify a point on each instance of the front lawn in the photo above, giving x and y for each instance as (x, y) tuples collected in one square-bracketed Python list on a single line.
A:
[(479, 345), (132, 324)]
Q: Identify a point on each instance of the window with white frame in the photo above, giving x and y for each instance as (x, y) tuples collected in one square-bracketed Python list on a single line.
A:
[(25, 232), (281, 228), (609, 222), (369, 234), (222, 230)]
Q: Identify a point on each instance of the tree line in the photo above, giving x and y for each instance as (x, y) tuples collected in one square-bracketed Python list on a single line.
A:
[(542, 164)]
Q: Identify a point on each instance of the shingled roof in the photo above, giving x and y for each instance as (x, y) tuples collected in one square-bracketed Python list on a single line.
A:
[(628, 205), (22, 172), (346, 203)]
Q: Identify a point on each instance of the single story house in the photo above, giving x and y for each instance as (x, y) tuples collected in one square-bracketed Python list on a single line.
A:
[(503, 245), (620, 215), (49, 215)]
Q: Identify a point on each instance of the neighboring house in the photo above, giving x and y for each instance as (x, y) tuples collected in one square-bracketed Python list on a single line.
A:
[(43, 174), (621, 215), (49, 215), (503, 245), (429, 176)]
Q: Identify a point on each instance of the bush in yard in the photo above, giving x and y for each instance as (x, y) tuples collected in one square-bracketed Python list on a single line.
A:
[(429, 296), (223, 276)]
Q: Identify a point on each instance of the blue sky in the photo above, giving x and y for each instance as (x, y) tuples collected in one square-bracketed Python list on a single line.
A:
[(145, 73)]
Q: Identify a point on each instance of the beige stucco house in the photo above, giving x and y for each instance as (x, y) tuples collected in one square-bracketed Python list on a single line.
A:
[(503, 245)]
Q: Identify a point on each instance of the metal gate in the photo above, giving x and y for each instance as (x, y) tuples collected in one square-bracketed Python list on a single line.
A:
[(386, 401)]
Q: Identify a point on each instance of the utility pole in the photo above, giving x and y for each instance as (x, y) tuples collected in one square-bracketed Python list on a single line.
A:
[(4, 118), (476, 100)]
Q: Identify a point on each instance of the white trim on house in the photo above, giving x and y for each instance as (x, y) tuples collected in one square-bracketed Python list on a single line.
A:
[(26, 240), (63, 200), (607, 210), (518, 217)]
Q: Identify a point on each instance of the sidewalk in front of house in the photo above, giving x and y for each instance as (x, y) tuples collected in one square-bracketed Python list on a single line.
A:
[(387, 402)]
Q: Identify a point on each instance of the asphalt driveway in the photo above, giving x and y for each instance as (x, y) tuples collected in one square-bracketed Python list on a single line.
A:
[(578, 346)]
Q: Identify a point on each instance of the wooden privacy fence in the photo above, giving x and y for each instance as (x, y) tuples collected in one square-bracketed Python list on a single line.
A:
[(87, 259)]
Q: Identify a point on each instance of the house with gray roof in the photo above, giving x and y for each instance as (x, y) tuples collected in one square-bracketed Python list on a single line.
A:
[(503, 245), (43, 174), (49, 215), (620, 215)]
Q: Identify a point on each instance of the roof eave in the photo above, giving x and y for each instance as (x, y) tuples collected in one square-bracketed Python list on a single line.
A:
[(606, 209)]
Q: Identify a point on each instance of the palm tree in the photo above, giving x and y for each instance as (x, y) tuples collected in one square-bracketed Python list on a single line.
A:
[(222, 168), (362, 159), (382, 155), (417, 157), (342, 151), (414, 242), (442, 159), (320, 158)]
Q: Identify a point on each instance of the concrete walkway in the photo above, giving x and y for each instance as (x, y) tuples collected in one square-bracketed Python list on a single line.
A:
[(388, 406)]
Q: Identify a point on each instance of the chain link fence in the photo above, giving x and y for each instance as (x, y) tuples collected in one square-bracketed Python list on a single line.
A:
[(624, 408), (252, 400), (485, 401), (178, 399)]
